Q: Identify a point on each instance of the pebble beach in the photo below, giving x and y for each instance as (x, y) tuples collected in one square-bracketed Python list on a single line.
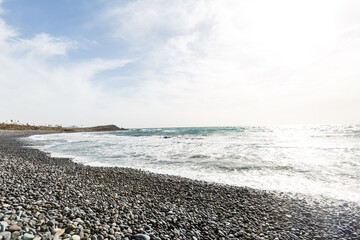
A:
[(42, 197)]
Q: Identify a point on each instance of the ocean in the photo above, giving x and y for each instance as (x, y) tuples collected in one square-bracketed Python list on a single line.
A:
[(321, 160)]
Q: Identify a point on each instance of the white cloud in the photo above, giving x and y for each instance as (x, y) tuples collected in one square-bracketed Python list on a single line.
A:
[(40, 84), (196, 63), (244, 61), (43, 46), (155, 19), (5, 31)]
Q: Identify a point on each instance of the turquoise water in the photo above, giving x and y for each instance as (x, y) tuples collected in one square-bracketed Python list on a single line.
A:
[(315, 160), (204, 131)]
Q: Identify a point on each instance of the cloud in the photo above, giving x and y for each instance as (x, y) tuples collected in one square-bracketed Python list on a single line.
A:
[(5, 31), (248, 62), (43, 46), (40, 83), (146, 19), (191, 63)]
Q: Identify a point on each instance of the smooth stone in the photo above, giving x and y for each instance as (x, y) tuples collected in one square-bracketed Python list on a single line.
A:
[(15, 235), (142, 237), (13, 228), (3, 226), (32, 230), (75, 237), (71, 226), (39, 223), (293, 236), (79, 220), (32, 223), (59, 232), (50, 223), (28, 236), (5, 235)]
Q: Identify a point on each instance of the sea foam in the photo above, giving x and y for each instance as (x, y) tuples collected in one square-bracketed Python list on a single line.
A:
[(313, 160)]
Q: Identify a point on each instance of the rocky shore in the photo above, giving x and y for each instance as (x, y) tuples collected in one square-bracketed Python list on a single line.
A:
[(42, 197)]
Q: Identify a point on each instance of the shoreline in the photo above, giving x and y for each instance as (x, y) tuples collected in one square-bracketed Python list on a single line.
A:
[(45, 196)]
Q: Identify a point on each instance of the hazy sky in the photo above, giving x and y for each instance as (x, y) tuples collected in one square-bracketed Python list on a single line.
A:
[(158, 63)]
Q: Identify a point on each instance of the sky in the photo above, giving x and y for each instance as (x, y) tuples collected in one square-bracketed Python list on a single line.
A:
[(160, 63)]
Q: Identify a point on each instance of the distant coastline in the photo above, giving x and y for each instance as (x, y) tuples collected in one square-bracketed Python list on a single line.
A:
[(16, 126)]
